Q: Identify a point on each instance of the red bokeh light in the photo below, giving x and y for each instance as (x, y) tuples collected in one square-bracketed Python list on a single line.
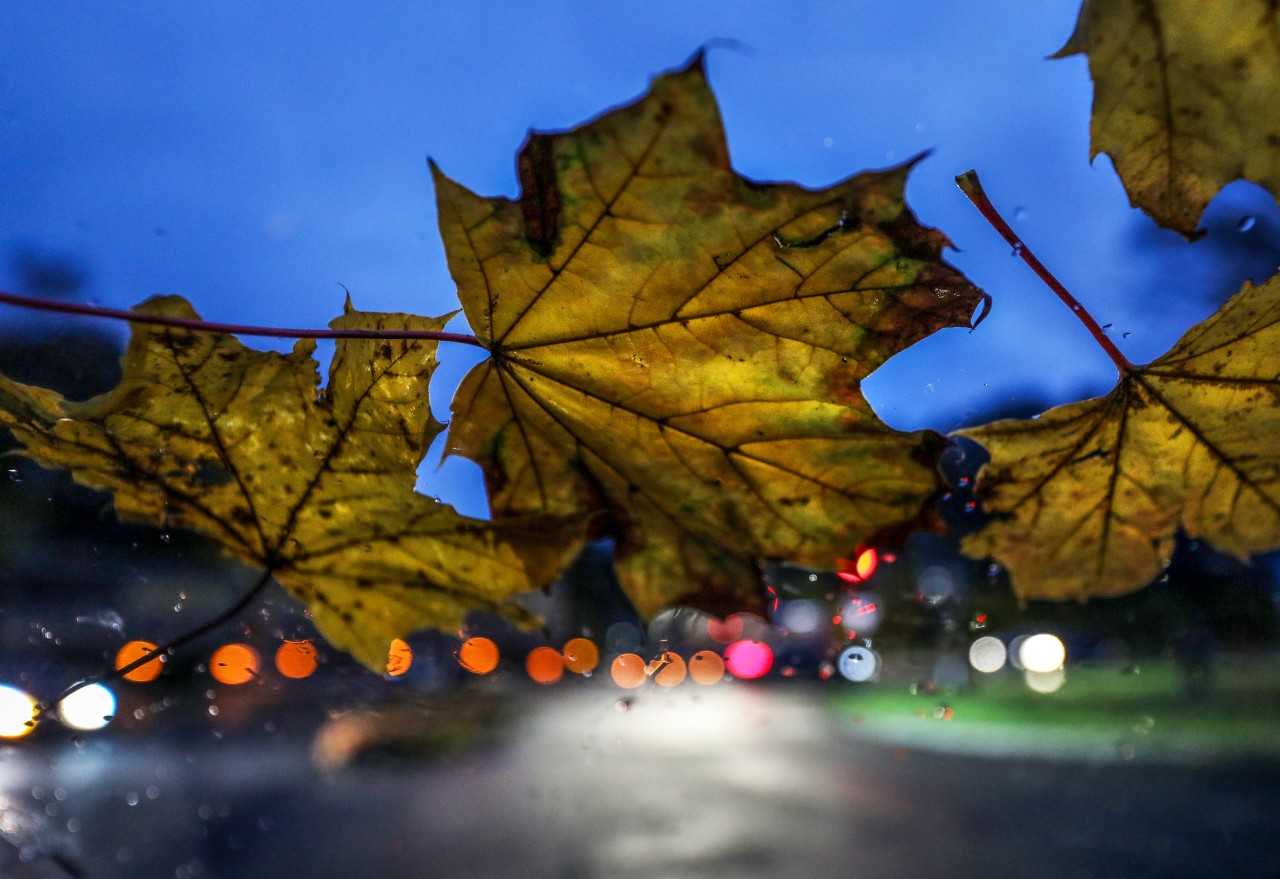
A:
[(859, 568), (748, 659)]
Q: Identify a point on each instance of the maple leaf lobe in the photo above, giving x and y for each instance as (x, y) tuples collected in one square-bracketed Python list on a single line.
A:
[(685, 357), (1089, 497), (1184, 98), (242, 446)]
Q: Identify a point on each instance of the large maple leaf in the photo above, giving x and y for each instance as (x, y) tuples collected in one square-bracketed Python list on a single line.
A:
[(1185, 98), (1088, 497), (681, 348), (316, 486)]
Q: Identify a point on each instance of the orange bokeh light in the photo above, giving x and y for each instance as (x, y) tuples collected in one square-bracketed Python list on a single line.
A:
[(544, 664), (668, 669), (296, 659), (479, 655), (629, 671), (706, 667), (133, 651), (234, 664), (859, 568), (399, 658), (580, 655)]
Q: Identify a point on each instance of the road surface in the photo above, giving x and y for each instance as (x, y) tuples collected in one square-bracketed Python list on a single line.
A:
[(731, 781)]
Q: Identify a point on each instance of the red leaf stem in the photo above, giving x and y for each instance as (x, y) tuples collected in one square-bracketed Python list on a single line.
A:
[(204, 326), (972, 187)]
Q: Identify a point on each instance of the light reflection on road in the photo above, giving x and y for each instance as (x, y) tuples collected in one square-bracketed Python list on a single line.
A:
[(734, 780)]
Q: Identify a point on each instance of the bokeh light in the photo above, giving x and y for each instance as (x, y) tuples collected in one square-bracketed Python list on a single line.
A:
[(296, 659), (1015, 651), (861, 613), (858, 568), (623, 637), (545, 665), (581, 655), (802, 616), (748, 659), (727, 630), (1043, 653), (133, 651), (668, 669), (706, 667), (936, 584), (234, 664), (1046, 681), (858, 664), (399, 658), (628, 671), (17, 712), (88, 708), (479, 655), (987, 654)]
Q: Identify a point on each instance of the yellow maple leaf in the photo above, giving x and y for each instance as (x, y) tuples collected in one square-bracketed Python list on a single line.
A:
[(681, 349), (1088, 497), (1185, 98), (315, 486)]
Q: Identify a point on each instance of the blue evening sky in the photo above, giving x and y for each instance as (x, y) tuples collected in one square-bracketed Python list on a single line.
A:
[(252, 157)]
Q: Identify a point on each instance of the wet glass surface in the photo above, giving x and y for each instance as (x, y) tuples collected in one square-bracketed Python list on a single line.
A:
[(898, 715)]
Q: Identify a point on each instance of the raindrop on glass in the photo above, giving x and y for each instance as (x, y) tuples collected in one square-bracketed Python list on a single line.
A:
[(131, 798), (1246, 223)]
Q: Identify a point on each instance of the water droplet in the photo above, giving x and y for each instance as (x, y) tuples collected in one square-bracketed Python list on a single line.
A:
[(15, 476), (213, 710), (1020, 213), (131, 798), (108, 619), (1018, 247), (1246, 223), (164, 537)]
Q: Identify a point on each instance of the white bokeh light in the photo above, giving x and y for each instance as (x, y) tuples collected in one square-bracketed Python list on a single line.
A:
[(1046, 681), (17, 712), (1043, 653), (858, 664), (803, 616), (88, 708), (987, 654)]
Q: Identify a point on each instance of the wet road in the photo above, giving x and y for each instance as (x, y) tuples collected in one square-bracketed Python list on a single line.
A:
[(732, 781)]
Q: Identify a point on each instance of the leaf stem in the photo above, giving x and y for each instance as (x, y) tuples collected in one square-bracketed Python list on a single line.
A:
[(205, 326), (972, 187), (169, 646)]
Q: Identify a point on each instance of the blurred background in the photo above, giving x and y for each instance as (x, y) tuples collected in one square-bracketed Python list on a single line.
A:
[(258, 158)]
